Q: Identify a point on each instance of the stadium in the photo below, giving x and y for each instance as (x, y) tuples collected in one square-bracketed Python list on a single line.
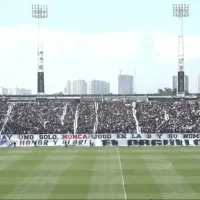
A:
[(91, 148), (100, 146)]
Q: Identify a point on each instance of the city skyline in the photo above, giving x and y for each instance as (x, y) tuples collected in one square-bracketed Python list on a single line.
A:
[(99, 87), (15, 91), (81, 86), (120, 39), (77, 87)]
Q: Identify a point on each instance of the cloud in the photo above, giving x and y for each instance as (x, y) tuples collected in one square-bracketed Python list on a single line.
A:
[(62, 50), (166, 47), (73, 55), (70, 45), (105, 46)]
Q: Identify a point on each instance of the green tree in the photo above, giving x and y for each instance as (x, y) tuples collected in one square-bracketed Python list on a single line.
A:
[(59, 93), (167, 91), (160, 91)]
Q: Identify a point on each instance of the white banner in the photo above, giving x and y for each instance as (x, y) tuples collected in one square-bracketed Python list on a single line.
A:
[(102, 136), (156, 139)]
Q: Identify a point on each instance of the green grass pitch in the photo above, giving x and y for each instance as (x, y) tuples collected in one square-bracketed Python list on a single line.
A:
[(100, 173)]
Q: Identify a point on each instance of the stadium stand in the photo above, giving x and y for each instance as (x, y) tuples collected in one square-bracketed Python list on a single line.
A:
[(71, 116)]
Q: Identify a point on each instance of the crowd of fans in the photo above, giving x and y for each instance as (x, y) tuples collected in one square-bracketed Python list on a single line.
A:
[(63, 117), (3, 112), (115, 117)]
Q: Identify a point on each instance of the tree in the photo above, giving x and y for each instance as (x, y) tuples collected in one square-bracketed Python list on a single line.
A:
[(167, 91), (174, 91), (160, 91), (59, 93)]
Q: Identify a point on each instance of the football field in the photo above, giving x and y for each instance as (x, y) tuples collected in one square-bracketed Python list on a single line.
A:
[(100, 173)]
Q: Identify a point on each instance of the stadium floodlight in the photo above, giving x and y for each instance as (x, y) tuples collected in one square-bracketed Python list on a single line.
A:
[(40, 12), (180, 11)]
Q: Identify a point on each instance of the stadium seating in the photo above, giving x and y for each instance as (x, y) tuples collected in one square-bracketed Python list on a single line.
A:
[(99, 117)]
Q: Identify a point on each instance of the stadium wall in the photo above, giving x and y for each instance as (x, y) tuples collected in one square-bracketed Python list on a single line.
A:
[(156, 139)]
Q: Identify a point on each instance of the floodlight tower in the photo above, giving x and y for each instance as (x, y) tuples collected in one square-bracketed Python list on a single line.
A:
[(40, 12), (181, 11)]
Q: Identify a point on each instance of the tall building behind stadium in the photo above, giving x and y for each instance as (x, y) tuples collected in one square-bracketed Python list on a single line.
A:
[(198, 84), (125, 84), (76, 87), (67, 89), (175, 83), (15, 91), (99, 87)]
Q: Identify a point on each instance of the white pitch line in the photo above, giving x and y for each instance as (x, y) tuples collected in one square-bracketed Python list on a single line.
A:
[(169, 164), (120, 165)]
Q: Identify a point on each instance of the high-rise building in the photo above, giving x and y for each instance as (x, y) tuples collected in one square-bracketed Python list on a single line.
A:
[(186, 83), (198, 84), (125, 84), (4, 91), (79, 87), (68, 88), (175, 83), (22, 91), (15, 91), (99, 87)]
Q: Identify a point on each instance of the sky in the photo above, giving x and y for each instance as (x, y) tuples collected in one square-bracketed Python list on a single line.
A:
[(94, 39)]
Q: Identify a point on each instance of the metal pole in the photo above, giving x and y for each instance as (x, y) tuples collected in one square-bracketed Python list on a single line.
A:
[(38, 34), (134, 81), (181, 11), (40, 12)]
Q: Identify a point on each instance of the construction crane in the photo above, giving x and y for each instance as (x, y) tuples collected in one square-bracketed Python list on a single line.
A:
[(120, 72)]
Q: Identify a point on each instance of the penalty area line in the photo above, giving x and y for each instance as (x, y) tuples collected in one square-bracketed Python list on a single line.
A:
[(120, 165)]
